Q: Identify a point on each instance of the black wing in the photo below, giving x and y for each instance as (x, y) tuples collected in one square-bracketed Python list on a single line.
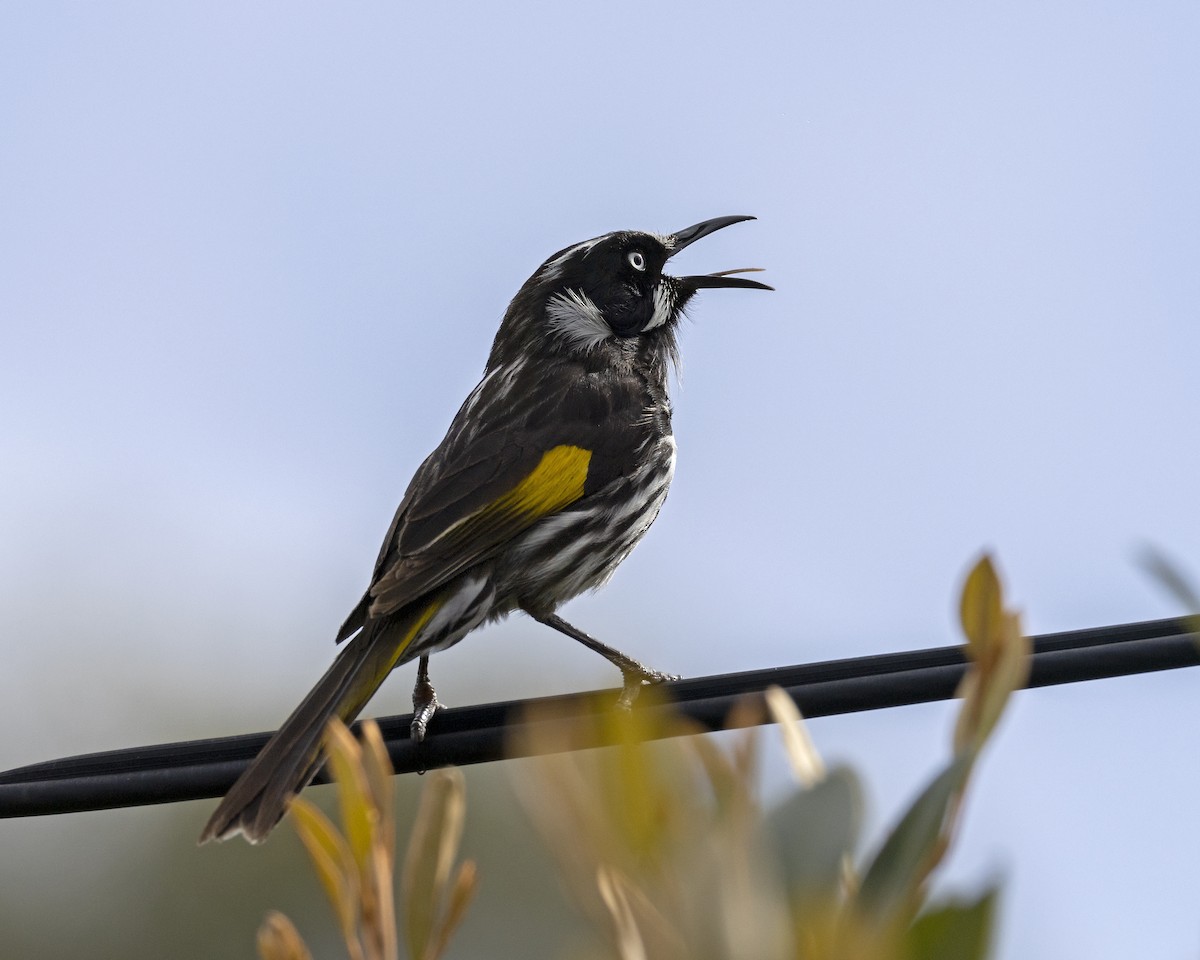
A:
[(521, 448)]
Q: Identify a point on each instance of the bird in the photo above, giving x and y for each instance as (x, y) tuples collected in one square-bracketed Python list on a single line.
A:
[(552, 470)]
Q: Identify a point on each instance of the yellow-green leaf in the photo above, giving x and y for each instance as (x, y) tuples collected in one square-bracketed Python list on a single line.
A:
[(382, 920), (981, 606), (355, 800), (953, 931), (999, 655), (380, 779), (988, 684), (332, 860)]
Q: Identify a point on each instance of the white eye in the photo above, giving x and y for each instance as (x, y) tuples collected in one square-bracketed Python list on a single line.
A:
[(636, 260)]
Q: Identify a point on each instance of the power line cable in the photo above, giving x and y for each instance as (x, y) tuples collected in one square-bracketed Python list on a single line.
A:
[(195, 769)]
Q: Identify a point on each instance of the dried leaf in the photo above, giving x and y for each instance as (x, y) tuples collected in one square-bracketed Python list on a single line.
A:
[(461, 894), (612, 892), (729, 786), (747, 712), (807, 765), (431, 850), (278, 939), (380, 922)]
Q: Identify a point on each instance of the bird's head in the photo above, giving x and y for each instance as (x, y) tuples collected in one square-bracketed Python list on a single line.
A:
[(609, 291)]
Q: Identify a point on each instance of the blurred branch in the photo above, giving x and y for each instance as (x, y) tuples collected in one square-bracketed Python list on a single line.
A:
[(206, 768)]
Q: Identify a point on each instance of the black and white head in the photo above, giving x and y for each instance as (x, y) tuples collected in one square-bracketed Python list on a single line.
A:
[(608, 294)]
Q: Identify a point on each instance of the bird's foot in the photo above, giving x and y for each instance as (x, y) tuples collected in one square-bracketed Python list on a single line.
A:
[(425, 705), (636, 676)]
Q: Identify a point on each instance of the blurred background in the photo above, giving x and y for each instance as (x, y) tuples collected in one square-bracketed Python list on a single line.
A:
[(252, 258)]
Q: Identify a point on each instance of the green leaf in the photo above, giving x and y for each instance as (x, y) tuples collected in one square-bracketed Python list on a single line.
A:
[(813, 832), (953, 931), (903, 862)]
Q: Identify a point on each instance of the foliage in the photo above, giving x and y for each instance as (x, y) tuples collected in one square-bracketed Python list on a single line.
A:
[(663, 843), (1171, 577), (356, 865), (665, 848)]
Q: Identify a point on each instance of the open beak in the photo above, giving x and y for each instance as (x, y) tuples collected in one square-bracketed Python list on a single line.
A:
[(725, 278)]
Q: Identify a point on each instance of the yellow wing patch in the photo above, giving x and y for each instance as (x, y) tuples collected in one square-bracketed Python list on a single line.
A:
[(554, 483)]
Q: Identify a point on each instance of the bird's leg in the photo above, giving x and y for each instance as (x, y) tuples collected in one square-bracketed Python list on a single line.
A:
[(425, 701), (633, 672)]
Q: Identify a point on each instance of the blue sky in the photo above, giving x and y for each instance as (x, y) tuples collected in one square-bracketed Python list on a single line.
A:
[(252, 258)]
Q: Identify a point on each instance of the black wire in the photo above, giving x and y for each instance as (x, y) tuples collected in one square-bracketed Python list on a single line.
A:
[(457, 736)]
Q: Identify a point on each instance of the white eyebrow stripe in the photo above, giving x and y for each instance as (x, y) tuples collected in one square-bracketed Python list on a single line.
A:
[(553, 269)]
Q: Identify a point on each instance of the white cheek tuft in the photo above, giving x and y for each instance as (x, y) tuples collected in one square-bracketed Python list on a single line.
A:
[(574, 317), (664, 303)]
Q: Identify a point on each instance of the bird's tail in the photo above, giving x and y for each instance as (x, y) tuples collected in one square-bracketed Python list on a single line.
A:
[(291, 758)]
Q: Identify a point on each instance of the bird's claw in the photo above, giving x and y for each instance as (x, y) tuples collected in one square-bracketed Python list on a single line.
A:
[(634, 680), (425, 705)]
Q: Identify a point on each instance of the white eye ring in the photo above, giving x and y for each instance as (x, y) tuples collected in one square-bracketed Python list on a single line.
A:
[(637, 260)]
